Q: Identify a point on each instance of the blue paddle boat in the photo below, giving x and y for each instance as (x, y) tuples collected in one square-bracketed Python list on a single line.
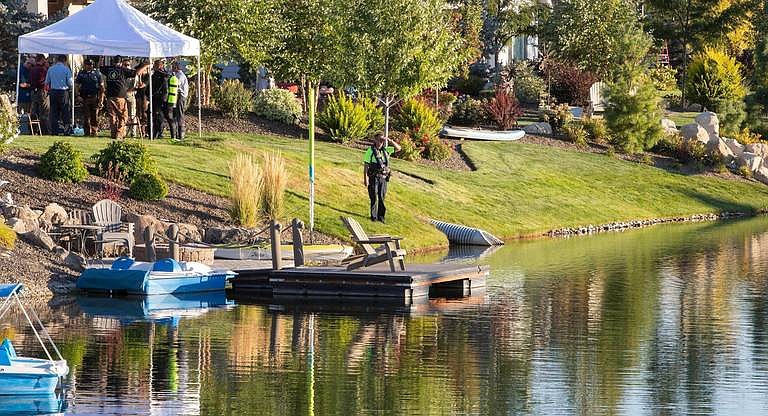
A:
[(156, 308), (127, 276), (23, 375)]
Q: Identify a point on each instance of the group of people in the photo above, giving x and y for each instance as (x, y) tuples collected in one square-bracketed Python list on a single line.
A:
[(121, 87)]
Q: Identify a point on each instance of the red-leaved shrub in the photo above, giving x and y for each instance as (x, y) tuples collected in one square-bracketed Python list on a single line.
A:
[(568, 83), (503, 109)]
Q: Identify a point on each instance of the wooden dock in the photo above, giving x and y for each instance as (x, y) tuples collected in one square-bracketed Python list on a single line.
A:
[(419, 280)]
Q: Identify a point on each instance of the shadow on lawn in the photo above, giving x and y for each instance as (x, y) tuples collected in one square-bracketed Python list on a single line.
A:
[(720, 204)]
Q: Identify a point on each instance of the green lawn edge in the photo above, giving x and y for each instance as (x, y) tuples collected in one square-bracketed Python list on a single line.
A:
[(517, 190)]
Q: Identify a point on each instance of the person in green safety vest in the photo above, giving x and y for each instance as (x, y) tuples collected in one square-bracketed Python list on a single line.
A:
[(170, 104), (376, 173)]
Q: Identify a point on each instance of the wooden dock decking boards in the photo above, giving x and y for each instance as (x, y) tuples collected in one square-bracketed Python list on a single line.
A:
[(416, 281)]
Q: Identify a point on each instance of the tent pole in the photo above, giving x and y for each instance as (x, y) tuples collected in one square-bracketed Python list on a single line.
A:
[(199, 100), (72, 103), (18, 80), (151, 109)]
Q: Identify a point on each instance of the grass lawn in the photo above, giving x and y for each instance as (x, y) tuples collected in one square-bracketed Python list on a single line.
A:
[(518, 189), (681, 118)]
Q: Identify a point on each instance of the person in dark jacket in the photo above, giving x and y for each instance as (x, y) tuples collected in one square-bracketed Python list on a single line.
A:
[(159, 96), (40, 104), (117, 77), (376, 173), (25, 88), (90, 89)]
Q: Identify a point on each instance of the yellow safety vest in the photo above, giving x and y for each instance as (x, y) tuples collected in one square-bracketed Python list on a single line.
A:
[(173, 87)]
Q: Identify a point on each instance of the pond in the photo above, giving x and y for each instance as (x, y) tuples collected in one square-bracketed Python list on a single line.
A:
[(666, 320)]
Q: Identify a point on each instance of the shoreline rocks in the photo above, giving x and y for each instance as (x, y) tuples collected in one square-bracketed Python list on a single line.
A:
[(635, 224)]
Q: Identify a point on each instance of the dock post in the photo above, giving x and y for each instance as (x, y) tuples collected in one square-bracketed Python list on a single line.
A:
[(149, 244), (298, 242), (274, 238), (173, 244)]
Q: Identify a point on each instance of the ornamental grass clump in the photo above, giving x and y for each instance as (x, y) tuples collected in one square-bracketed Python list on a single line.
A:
[(245, 191), (62, 163), (274, 180), (7, 237)]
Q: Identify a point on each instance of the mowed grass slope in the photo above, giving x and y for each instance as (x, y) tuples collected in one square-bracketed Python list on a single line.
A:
[(518, 189)]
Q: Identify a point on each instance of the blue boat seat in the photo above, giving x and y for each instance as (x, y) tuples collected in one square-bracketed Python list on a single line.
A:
[(122, 263), (7, 346), (166, 265), (5, 357)]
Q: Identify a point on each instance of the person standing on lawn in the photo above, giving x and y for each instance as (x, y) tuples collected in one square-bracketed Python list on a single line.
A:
[(58, 81), (376, 173), (90, 87), (25, 88), (117, 88), (130, 99), (159, 96), (181, 99), (40, 105)]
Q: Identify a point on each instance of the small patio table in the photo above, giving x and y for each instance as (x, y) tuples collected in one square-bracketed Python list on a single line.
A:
[(81, 232)]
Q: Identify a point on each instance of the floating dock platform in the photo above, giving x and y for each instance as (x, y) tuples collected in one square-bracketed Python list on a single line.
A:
[(418, 280)]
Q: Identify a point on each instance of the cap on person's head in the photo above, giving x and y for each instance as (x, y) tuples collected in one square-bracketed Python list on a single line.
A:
[(176, 65), (88, 62), (40, 57), (61, 58), (144, 61), (118, 58)]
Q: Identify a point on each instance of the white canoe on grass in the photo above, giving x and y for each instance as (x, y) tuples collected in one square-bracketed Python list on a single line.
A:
[(480, 134), (463, 235)]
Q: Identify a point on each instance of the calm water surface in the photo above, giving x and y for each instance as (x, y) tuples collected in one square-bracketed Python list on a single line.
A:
[(670, 320)]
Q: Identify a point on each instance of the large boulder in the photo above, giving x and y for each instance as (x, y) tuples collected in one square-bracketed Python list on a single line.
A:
[(189, 233), (141, 222), (750, 160), (54, 214), (668, 125), (760, 149), (72, 260), (736, 148), (761, 174), (721, 148), (7, 200), (709, 121), (19, 226), (40, 238), (216, 235), (694, 131), (541, 128)]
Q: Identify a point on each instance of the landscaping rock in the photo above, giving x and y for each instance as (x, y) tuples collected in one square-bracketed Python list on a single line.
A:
[(736, 147), (694, 131), (720, 147), (709, 121), (750, 160), (694, 108), (668, 125), (7, 200), (189, 233), (55, 214), (17, 225), (215, 235), (143, 221), (72, 260), (760, 149), (761, 174), (39, 238), (541, 128)]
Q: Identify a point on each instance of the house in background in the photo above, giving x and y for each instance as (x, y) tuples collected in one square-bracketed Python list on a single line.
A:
[(51, 7)]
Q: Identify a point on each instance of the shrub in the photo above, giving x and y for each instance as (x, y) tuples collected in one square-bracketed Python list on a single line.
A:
[(714, 78), (529, 87), (467, 111), (732, 115), (646, 159), (471, 85), (274, 179), (373, 113), (7, 237), (557, 116), (597, 130), (746, 136), (670, 145), (745, 171), (278, 105), (112, 187), (417, 115), (408, 148), (569, 84), (131, 157), (445, 102), (9, 125), (693, 151), (245, 191), (343, 119), (503, 109), (574, 132), (148, 186), (62, 163), (633, 114), (757, 112), (665, 81), (436, 150), (233, 98)]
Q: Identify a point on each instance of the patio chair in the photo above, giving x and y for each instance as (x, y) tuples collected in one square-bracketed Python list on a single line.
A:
[(108, 214), (389, 250)]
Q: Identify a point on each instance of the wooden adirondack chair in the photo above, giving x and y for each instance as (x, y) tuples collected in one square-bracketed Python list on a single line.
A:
[(108, 214), (390, 249)]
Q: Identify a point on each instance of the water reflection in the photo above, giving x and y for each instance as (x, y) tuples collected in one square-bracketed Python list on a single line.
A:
[(669, 320)]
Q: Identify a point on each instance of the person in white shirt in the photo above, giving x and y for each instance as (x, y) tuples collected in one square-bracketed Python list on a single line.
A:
[(181, 101)]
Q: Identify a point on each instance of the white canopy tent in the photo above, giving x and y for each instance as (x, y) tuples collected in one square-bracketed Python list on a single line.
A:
[(111, 27)]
